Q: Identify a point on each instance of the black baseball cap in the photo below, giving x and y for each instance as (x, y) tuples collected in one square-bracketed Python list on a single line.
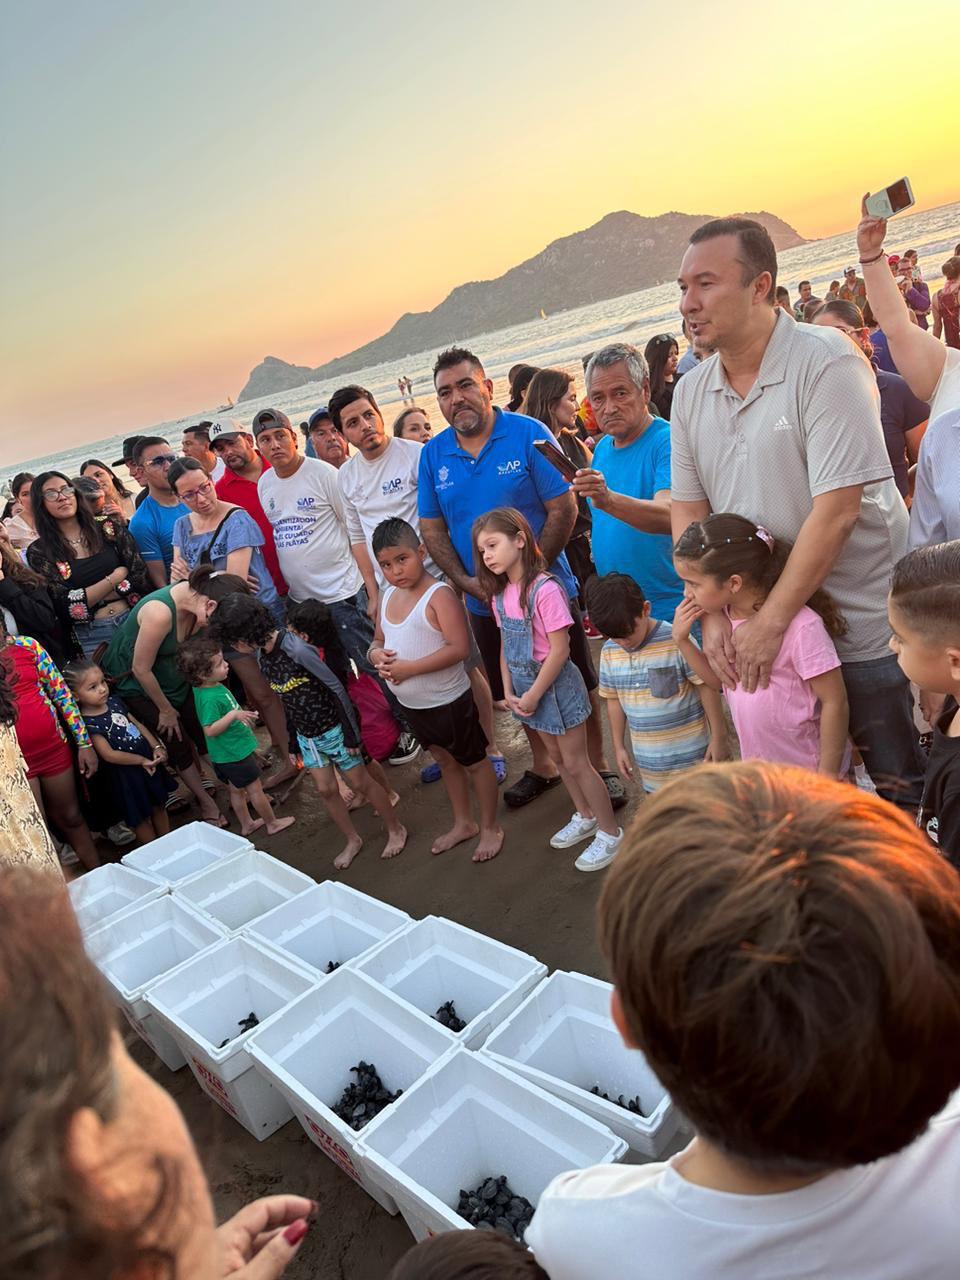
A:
[(129, 444), (266, 419)]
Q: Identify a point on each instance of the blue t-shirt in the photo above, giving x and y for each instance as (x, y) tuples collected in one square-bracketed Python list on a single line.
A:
[(882, 358), (639, 470), (152, 528), (900, 412), (239, 530), (508, 472)]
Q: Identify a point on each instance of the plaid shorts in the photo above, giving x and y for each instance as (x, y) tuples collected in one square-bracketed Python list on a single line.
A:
[(328, 749)]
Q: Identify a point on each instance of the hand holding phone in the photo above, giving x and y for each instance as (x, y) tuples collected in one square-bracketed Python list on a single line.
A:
[(557, 458), (890, 200)]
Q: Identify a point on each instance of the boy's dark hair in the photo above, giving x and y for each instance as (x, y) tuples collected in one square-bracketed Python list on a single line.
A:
[(468, 1255), (312, 617), (786, 951), (195, 657), (926, 590), (394, 533), (144, 443), (242, 617), (453, 356), (756, 251), (614, 603), (344, 396)]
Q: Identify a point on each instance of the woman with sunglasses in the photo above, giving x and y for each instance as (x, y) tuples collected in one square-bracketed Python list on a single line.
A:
[(226, 536), (92, 568), (662, 355), (902, 415)]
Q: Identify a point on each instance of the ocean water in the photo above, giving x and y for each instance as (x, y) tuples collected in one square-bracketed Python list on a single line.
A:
[(560, 340)]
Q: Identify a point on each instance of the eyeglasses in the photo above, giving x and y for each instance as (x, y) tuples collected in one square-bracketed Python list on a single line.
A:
[(54, 495), (162, 460), (205, 488)]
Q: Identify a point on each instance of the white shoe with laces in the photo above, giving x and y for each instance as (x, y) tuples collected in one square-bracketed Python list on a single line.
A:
[(600, 852), (577, 829)]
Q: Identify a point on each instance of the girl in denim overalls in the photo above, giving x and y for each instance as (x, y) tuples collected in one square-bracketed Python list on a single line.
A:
[(542, 687)]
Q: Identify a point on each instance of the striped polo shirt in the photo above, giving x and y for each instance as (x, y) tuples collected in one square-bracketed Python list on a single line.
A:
[(810, 424), (657, 691)]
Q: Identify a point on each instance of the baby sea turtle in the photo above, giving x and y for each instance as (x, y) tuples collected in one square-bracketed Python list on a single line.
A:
[(331, 965), (628, 1104), (360, 1102), (446, 1015), (245, 1024), (495, 1206)]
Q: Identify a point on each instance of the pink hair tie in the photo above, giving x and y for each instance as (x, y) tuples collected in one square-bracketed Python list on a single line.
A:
[(765, 536)]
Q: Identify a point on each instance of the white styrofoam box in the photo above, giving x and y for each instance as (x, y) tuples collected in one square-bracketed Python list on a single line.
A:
[(107, 890), (328, 922), (436, 960), (309, 1049), (468, 1119), (236, 891), (563, 1038), (141, 944), (185, 851), (204, 1002)]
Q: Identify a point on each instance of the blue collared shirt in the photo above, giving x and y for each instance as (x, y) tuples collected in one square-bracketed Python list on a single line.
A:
[(456, 487)]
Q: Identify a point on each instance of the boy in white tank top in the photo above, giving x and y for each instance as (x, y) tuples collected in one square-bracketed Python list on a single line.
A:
[(421, 640)]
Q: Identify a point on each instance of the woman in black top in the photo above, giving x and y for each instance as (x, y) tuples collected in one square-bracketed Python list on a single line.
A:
[(662, 354), (24, 596), (92, 568)]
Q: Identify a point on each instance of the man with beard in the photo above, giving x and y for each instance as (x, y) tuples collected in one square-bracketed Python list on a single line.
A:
[(243, 467)]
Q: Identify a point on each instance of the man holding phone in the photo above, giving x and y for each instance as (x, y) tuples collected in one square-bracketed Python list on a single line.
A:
[(629, 483)]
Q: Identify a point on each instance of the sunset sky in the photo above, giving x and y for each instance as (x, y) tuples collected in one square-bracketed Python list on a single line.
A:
[(190, 185)]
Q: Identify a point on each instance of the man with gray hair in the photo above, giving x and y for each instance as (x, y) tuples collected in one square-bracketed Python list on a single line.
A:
[(629, 482)]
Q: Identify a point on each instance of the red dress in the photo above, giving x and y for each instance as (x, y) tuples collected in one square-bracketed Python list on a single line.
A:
[(37, 686)]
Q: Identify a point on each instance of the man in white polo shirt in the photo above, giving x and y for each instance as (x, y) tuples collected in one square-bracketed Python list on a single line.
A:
[(782, 425), (301, 499)]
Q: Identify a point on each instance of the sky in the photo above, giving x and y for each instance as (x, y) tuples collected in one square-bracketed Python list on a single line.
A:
[(187, 186)]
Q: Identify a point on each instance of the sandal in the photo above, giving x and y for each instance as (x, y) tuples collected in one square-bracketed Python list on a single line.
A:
[(528, 788), (499, 768), (615, 788)]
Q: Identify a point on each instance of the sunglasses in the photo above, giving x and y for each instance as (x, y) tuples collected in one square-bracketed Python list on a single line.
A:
[(163, 460), (664, 337)]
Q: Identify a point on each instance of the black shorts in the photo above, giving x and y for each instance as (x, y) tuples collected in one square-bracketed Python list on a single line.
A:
[(239, 773), (488, 639), (179, 753), (454, 728)]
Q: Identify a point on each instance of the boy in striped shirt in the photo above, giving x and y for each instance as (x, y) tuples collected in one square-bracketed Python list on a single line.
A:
[(675, 721)]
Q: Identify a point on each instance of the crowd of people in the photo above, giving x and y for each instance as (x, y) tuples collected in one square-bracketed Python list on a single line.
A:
[(764, 532)]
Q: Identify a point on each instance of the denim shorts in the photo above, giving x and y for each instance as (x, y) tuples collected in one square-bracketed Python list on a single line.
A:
[(326, 750), (565, 704)]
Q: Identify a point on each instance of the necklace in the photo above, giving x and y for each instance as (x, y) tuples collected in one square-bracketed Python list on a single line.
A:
[(79, 543)]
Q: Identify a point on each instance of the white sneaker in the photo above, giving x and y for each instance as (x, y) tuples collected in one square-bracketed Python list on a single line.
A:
[(577, 829), (120, 834), (600, 852)]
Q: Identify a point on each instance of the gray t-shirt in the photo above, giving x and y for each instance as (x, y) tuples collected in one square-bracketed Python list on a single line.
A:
[(809, 425)]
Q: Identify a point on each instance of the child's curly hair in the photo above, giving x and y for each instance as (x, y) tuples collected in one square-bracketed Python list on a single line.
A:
[(195, 658)]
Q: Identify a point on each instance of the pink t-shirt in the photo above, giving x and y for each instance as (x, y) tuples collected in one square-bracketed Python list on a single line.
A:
[(782, 722), (551, 612)]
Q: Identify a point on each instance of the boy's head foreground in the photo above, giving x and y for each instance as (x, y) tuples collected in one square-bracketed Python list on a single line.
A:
[(617, 607), (786, 953), (924, 611), (468, 1255), (243, 623), (399, 552), (200, 659)]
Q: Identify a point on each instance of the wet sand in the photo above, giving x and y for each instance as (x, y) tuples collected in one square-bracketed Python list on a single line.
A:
[(530, 897)]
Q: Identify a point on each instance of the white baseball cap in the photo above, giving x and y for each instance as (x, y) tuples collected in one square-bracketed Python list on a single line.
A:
[(221, 428)]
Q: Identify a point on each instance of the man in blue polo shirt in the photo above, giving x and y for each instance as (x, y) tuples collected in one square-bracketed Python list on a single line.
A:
[(486, 461)]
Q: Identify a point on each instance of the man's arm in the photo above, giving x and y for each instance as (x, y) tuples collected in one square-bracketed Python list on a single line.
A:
[(649, 515), (822, 537), (558, 526), (157, 572), (436, 538), (365, 565), (683, 514)]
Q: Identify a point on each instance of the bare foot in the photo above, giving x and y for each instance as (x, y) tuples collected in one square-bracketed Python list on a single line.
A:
[(279, 778), (395, 843), (459, 832), (253, 826), (348, 853), (213, 816), (490, 844), (281, 824)]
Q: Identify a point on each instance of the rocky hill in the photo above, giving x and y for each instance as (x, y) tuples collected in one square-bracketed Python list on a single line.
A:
[(621, 253)]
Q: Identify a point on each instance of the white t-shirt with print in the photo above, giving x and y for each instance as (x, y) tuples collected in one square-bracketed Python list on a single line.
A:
[(380, 490), (310, 533), (895, 1219)]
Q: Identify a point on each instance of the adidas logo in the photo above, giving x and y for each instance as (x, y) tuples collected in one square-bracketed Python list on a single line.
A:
[(782, 424)]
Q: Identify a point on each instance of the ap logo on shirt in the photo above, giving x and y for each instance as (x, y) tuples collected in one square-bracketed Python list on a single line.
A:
[(510, 468), (305, 504), (393, 486)]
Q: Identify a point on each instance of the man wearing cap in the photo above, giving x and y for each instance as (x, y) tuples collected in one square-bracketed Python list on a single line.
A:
[(301, 499), (324, 439), (153, 521), (134, 469), (243, 467), (853, 289), (196, 444)]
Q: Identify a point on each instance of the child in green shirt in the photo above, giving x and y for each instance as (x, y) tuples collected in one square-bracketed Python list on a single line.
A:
[(231, 742)]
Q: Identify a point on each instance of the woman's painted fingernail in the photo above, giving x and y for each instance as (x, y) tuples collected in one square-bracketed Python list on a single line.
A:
[(296, 1231)]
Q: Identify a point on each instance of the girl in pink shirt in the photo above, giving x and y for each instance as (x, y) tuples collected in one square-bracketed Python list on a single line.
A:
[(729, 565), (542, 687)]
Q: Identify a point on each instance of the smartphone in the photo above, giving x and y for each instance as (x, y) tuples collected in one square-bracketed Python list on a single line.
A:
[(893, 199), (557, 458)]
